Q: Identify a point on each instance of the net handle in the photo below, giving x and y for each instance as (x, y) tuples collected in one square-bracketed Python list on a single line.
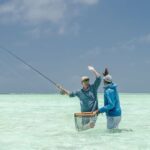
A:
[(84, 114)]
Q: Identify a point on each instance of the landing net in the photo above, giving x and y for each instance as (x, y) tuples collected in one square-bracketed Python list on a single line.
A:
[(85, 120)]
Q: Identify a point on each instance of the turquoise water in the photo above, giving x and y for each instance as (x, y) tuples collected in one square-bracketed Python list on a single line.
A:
[(45, 122)]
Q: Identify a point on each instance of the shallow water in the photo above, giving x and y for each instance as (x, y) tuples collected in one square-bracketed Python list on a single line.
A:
[(45, 122)]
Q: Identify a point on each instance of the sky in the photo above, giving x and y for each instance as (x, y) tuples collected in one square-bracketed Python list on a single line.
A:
[(62, 37)]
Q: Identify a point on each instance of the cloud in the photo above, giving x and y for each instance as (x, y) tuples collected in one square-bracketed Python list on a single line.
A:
[(33, 11), (147, 62), (38, 12), (73, 29), (145, 39), (130, 47), (35, 33), (91, 53), (88, 2)]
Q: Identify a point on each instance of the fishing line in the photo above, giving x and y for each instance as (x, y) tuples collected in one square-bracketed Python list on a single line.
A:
[(30, 66)]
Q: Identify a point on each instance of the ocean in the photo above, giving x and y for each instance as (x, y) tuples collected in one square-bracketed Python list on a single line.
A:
[(46, 122)]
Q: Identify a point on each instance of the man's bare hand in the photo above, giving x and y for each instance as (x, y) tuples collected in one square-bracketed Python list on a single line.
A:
[(92, 125), (96, 112), (64, 92), (91, 68)]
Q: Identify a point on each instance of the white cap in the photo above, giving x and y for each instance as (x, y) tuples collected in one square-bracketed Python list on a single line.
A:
[(84, 78), (108, 78)]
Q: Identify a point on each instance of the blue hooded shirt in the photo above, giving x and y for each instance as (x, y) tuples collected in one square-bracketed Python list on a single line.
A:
[(88, 98), (111, 101)]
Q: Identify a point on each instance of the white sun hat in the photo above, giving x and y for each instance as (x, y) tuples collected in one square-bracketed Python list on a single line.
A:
[(108, 78), (84, 78)]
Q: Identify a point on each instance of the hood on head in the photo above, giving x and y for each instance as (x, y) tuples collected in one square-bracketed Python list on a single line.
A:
[(111, 86), (108, 78)]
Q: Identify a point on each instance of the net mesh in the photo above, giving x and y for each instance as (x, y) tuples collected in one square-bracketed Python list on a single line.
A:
[(84, 120)]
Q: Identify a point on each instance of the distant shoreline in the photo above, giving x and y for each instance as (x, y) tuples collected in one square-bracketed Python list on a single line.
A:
[(58, 93)]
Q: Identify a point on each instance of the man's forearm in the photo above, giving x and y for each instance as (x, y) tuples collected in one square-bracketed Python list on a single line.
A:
[(92, 69), (64, 91), (97, 74)]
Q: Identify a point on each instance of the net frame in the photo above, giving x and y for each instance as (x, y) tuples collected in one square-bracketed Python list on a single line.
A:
[(86, 118)]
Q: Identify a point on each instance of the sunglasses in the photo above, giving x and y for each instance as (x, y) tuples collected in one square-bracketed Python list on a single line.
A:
[(86, 80)]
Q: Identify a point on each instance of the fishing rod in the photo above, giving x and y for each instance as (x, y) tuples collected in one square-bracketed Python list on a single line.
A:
[(31, 67)]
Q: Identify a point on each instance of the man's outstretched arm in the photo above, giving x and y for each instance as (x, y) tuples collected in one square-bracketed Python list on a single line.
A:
[(63, 91), (98, 77), (94, 71)]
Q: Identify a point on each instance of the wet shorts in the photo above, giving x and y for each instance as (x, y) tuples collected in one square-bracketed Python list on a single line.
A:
[(113, 122)]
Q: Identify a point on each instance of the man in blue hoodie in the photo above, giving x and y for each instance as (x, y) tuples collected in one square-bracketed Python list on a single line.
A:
[(111, 103)]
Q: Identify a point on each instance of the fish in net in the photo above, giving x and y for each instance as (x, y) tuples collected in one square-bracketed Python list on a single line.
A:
[(85, 120)]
